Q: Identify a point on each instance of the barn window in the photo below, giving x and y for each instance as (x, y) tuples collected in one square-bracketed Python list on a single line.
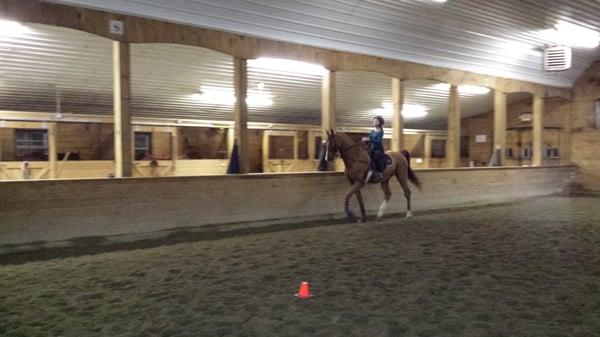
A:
[(527, 152), (143, 145), (438, 148), (552, 153), (31, 145), (464, 146), (317, 145), (510, 154)]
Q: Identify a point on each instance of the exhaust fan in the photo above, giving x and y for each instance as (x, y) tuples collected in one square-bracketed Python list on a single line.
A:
[(557, 58)]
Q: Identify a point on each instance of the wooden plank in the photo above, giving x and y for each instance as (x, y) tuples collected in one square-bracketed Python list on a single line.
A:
[(538, 127), (122, 110), (24, 125), (241, 111), (427, 151), (500, 124), (453, 140), (397, 118)]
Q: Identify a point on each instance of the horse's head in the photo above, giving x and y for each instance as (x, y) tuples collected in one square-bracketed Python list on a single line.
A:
[(330, 146)]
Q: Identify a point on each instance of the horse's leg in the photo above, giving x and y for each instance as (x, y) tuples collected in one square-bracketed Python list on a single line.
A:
[(403, 180), (355, 187), (387, 193), (363, 213)]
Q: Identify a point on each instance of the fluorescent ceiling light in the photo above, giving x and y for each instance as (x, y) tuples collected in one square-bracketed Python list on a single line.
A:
[(408, 110), (290, 66), (440, 1), (12, 29), (463, 89), (226, 96), (568, 34)]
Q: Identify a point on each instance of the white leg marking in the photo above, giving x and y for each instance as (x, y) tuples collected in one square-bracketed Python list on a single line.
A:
[(409, 214), (382, 209)]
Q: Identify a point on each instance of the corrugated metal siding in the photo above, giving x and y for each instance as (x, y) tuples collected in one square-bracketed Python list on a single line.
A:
[(296, 97), (164, 78), (475, 35), (50, 59)]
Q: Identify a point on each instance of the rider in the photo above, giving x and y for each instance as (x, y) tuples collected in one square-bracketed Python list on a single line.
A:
[(376, 151)]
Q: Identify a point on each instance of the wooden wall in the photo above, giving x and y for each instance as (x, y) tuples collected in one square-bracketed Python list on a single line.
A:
[(483, 124), (585, 138), (50, 211)]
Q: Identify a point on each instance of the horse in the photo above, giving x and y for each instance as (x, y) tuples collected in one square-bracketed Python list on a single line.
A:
[(358, 162)]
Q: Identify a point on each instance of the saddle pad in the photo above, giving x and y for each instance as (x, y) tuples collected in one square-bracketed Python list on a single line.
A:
[(388, 160)]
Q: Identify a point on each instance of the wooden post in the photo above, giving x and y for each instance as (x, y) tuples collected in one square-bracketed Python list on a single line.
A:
[(328, 106), (453, 141), (174, 148), (427, 151), (565, 149), (241, 111), (122, 110), (397, 119), (538, 130), (52, 153), (230, 141), (500, 124)]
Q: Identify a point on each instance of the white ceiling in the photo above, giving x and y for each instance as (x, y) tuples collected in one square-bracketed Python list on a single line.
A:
[(493, 37)]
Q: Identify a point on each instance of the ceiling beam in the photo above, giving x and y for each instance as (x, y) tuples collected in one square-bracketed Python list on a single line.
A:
[(143, 30)]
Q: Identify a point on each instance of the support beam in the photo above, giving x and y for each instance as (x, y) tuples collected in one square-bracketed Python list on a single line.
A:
[(565, 149), (453, 140), (397, 119), (52, 153), (500, 125), (241, 111), (174, 147), (538, 129), (427, 151), (122, 110), (328, 106)]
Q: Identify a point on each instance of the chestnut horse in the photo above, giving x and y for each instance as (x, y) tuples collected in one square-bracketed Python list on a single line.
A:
[(357, 162)]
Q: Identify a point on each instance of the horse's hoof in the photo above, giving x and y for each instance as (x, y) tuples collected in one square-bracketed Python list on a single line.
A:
[(409, 214), (362, 220)]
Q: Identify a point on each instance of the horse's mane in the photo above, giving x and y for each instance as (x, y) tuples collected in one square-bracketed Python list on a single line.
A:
[(345, 138)]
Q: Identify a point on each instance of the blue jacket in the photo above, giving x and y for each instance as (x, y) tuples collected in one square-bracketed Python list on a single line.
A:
[(376, 140)]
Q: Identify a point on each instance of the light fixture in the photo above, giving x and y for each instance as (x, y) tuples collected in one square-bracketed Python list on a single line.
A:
[(463, 89), (289, 66), (440, 1), (414, 111), (12, 29), (408, 110), (569, 34), (226, 96)]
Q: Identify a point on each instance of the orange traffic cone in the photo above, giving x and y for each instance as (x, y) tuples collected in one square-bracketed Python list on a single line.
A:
[(304, 292)]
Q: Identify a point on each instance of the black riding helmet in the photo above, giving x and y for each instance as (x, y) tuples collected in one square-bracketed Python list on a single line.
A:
[(380, 119)]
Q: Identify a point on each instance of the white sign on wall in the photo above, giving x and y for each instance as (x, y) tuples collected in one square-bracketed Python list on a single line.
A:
[(481, 139), (116, 27)]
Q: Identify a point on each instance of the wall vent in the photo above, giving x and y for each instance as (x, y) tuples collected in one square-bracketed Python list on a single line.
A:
[(557, 58)]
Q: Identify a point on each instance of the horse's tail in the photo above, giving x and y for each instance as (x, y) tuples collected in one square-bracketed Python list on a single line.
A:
[(411, 174)]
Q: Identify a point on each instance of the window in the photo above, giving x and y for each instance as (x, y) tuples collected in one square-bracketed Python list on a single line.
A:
[(281, 147), (31, 145), (464, 146), (510, 154), (317, 144), (302, 144), (438, 148), (143, 145), (527, 152), (552, 153), (598, 114)]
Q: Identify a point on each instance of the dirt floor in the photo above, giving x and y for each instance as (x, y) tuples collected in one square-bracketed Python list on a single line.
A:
[(527, 269)]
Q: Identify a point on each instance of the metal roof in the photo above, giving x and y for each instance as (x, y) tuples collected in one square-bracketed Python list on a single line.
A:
[(167, 80), (501, 38)]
